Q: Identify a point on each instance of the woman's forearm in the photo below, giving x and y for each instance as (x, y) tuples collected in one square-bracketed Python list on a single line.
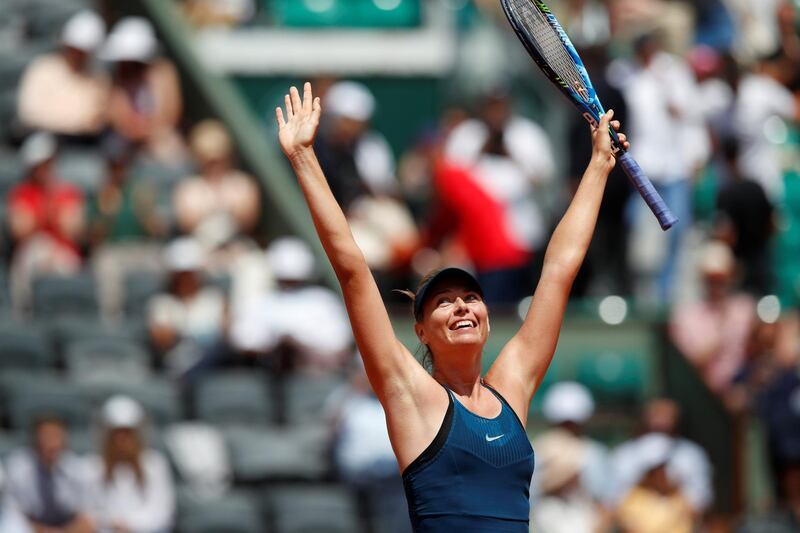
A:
[(329, 220), (571, 238)]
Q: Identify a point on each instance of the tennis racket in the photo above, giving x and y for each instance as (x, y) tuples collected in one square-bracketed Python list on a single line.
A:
[(550, 47)]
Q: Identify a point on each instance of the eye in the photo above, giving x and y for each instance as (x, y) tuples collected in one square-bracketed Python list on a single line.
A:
[(444, 300), (472, 298)]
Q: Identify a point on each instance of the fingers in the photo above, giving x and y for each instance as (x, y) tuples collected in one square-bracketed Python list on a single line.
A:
[(316, 109), (297, 104), (308, 99), (605, 120), (289, 111), (279, 117)]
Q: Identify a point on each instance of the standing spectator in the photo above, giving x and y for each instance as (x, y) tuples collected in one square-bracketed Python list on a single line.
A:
[(131, 484), (486, 191), (78, 108), (221, 190), (746, 223), (47, 482), (687, 464), (146, 102), (189, 316), (46, 219), (763, 96), (656, 503), (300, 321), (713, 333), (671, 144), (363, 456), (567, 407), (564, 505)]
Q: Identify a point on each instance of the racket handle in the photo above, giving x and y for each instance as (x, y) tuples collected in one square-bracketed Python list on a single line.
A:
[(648, 192)]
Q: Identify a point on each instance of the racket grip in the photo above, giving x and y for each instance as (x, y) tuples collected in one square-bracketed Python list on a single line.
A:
[(648, 192)]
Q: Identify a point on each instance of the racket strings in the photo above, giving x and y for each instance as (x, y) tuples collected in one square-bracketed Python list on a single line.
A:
[(549, 45)]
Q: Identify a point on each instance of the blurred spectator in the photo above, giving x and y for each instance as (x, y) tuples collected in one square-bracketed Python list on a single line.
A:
[(585, 21), (670, 143), (146, 102), (131, 484), (763, 97), (757, 29), (656, 503), (219, 12), (190, 316), (486, 196), (11, 520), (47, 482), (687, 464), (124, 225), (363, 456), (568, 406), (46, 219), (79, 106), (746, 223), (564, 505), (713, 333), (300, 322), (360, 168), (221, 190)]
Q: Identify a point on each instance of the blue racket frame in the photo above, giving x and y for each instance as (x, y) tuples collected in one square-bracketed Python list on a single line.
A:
[(591, 108)]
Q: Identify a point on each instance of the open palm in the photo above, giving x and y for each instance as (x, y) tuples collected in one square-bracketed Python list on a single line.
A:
[(299, 127)]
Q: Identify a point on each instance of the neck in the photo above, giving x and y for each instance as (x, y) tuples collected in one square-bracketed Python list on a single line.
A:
[(460, 373)]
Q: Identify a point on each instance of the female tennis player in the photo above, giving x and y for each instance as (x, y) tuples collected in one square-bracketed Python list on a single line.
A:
[(459, 439)]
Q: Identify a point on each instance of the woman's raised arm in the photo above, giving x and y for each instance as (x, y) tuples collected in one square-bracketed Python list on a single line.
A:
[(389, 365), (522, 364)]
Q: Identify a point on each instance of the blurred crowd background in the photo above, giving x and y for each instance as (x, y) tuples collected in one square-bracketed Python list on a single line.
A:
[(174, 356)]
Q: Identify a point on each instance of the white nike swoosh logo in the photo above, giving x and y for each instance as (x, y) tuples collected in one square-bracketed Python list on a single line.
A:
[(491, 439)]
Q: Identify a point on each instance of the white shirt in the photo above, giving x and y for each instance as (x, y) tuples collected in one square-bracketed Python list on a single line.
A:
[(688, 466), (668, 137), (312, 317), (69, 482), (147, 509), (198, 318), (574, 514), (761, 100)]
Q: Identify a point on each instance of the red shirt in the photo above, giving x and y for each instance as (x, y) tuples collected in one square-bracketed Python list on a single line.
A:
[(47, 205), (478, 219)]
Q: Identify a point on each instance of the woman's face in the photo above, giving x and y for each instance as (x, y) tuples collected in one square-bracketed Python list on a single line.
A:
[(453, 315), (125, 441)]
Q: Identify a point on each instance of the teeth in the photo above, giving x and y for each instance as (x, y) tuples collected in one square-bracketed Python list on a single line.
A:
[(464, 323)]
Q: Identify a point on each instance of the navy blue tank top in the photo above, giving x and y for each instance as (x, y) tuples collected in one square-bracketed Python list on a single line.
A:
[(474, 477)]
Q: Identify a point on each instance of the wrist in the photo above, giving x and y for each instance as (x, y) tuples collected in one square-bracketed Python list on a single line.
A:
[(301, 155), (601, 163)]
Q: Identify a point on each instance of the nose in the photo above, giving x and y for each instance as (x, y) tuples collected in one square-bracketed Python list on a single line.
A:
[(460, 304)]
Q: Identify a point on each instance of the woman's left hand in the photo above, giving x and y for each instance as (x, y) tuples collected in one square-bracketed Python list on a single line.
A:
[(603, 152)]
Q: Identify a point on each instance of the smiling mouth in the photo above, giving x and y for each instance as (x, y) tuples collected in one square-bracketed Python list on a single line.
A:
[(463, 324)]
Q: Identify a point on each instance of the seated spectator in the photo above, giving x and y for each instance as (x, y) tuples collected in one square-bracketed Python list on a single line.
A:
[(47, 482), (300, 321), (713, 333), (363, 456), (46, 220), (131, 485), (11, 520), (219, 12), (79, 107), (221, 190), (146, 102), (189, 317), (687, 464), (568, 406), (656, 503), (124, 226), (564, 505)]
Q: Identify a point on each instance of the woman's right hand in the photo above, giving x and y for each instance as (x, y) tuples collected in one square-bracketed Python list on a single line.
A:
[(298, 129)]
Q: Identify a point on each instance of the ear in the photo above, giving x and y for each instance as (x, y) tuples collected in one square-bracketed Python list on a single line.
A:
[(488, 325), (420, 331)]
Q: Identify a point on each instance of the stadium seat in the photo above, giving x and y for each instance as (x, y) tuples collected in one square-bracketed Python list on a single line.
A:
[(139, 288), (11, 172), (110, 360), (67, 330), (159, 397), (83, 168), (29, 399), (55, 296), (306, 397), (23, 346), (346, 13), (233, 513), (318, 509), (614, 376), (10, 441), (269, 454), (234, 398)]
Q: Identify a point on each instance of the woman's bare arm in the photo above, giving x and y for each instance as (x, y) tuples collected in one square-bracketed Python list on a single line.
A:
[(522, 364), (390, 367)]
